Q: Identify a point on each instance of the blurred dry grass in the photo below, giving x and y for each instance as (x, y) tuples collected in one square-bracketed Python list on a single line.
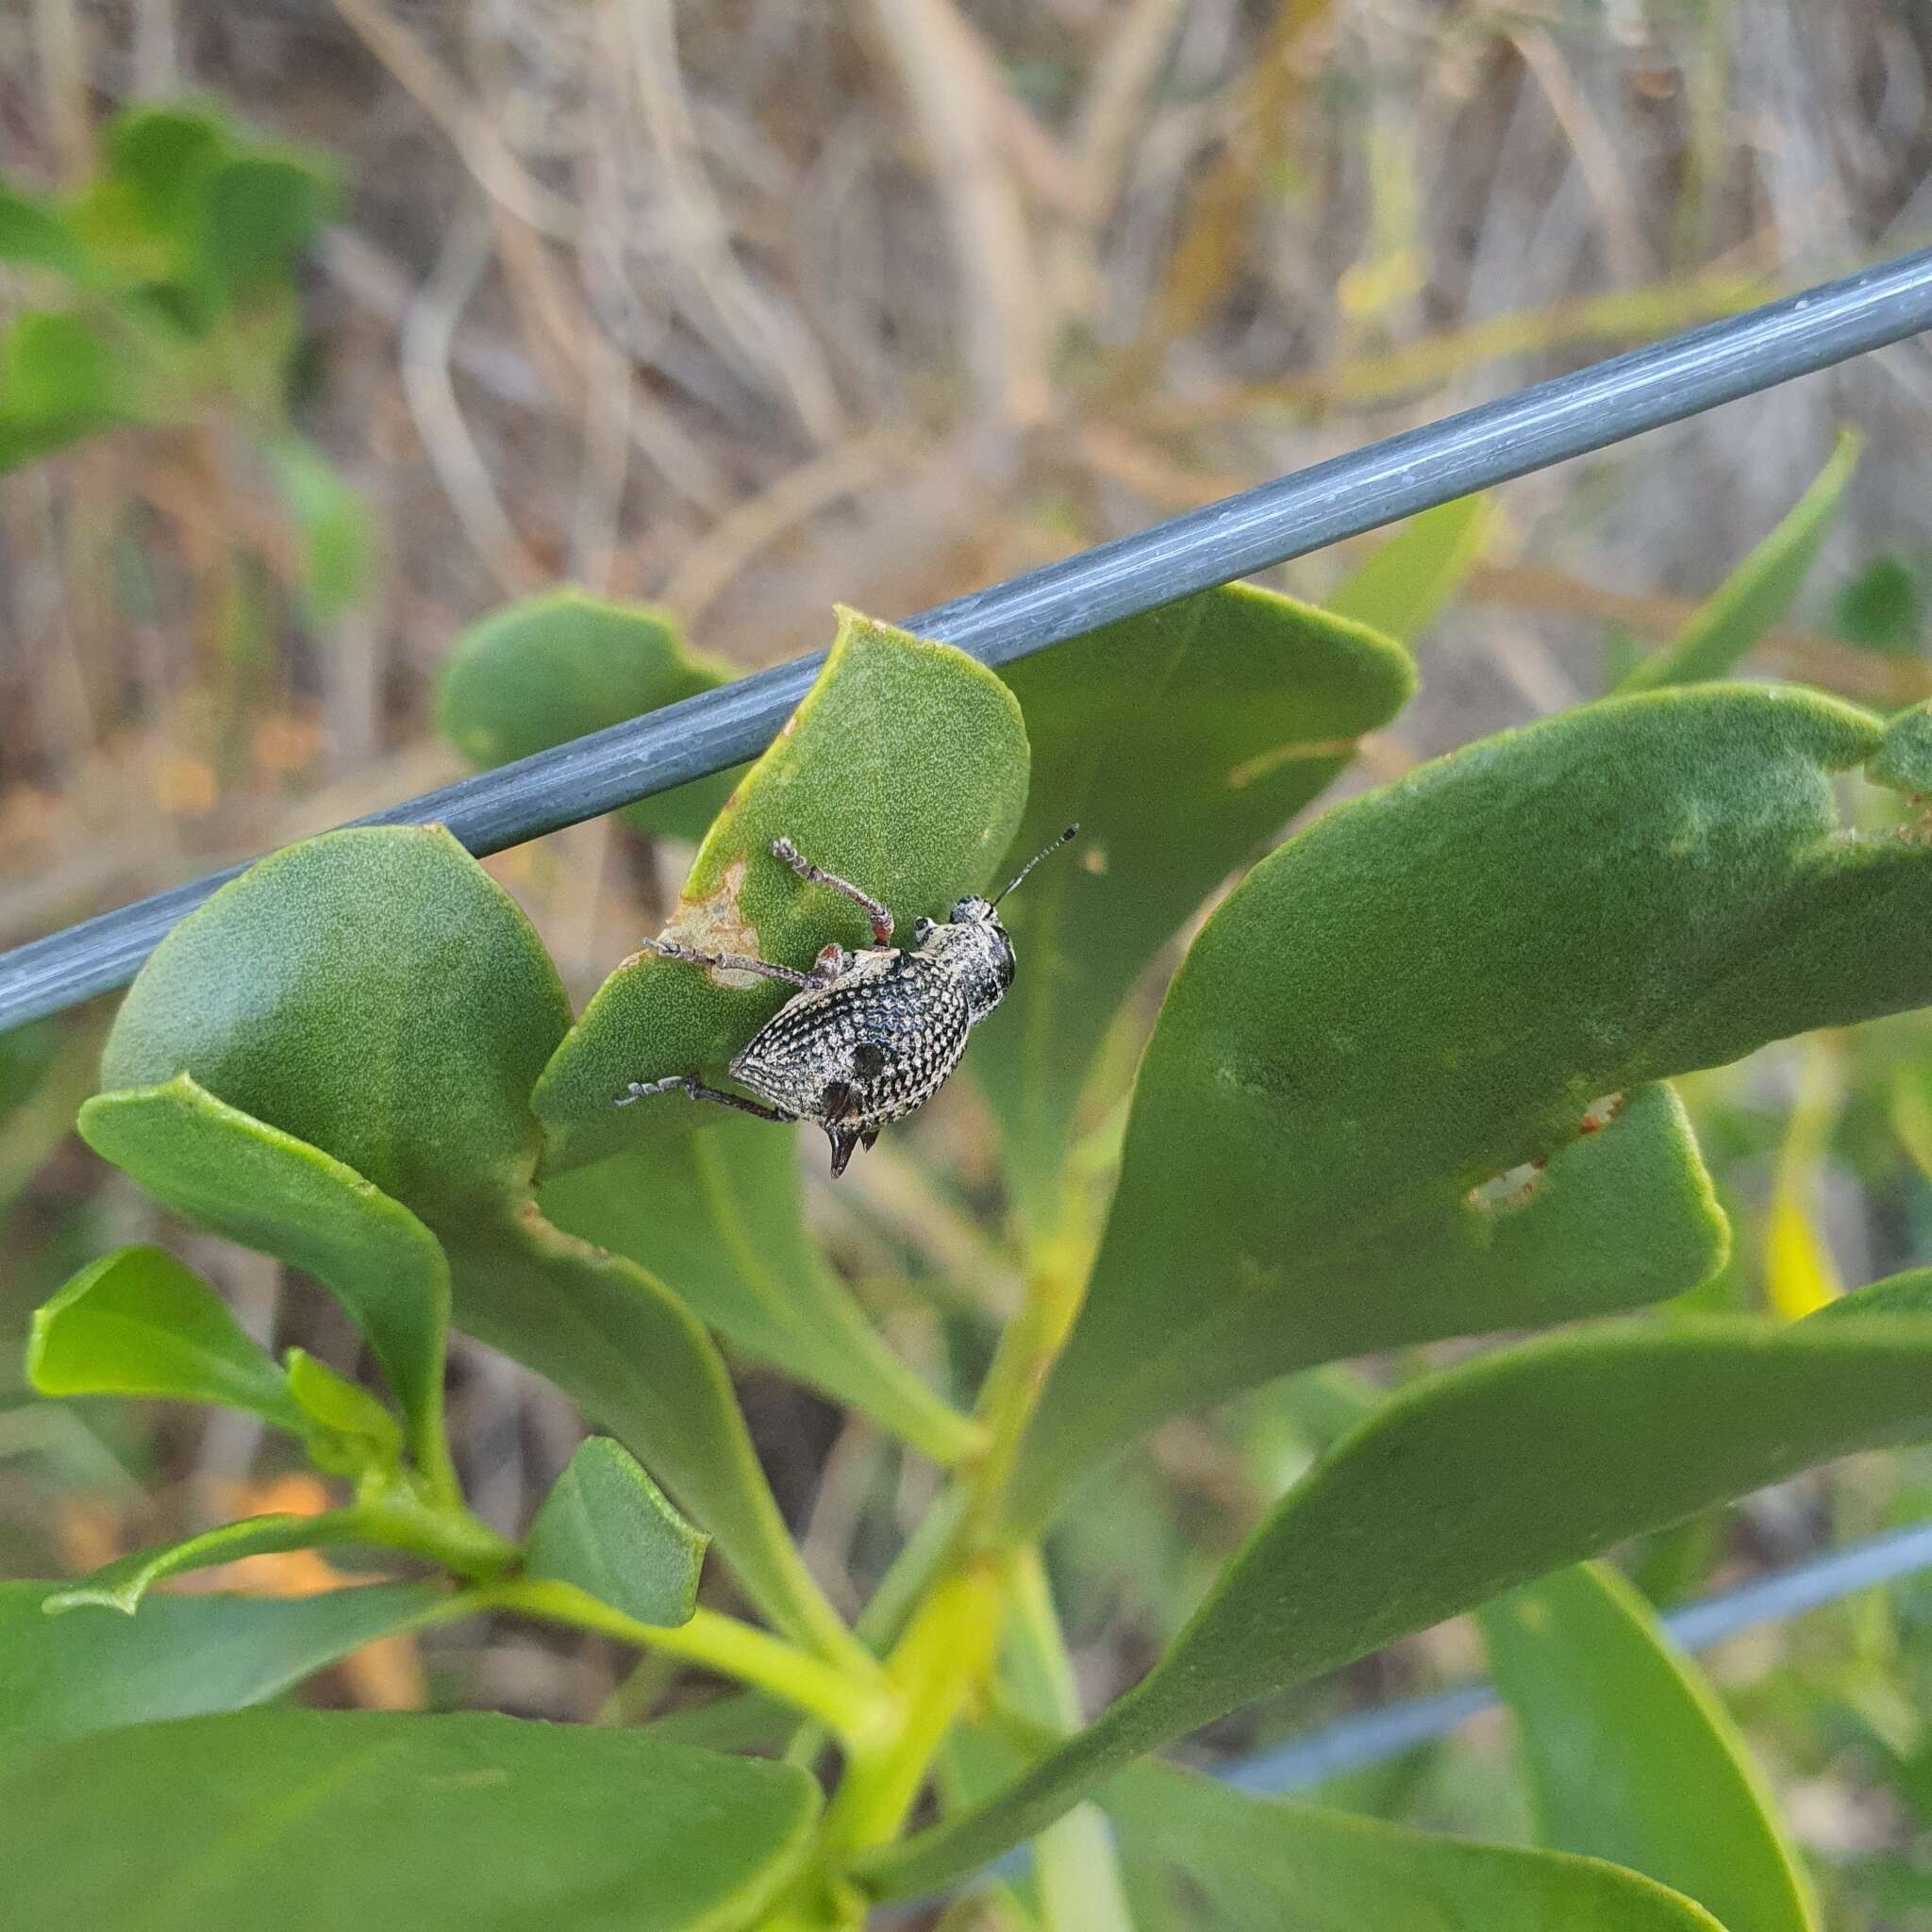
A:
[(750, 306), (745, 307)]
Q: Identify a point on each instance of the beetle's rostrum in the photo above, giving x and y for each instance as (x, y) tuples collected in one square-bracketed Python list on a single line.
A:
[(868, 1036)]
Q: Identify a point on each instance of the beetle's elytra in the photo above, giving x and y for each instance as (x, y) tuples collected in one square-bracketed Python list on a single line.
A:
[(868, 1036)]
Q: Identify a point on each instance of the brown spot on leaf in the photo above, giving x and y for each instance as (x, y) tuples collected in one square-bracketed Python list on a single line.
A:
[(1510, 1189), (1514, 1186), (715, 924)]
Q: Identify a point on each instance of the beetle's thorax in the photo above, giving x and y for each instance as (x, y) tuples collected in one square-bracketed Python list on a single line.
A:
[(974, 950)]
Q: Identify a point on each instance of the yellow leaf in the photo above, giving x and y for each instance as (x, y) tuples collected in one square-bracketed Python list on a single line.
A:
[(1799, 1274)]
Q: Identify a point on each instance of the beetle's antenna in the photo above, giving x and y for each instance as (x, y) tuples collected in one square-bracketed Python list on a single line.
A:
[(1038, 857)]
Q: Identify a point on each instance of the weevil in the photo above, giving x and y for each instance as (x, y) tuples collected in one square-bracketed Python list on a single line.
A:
[(867, 1036)]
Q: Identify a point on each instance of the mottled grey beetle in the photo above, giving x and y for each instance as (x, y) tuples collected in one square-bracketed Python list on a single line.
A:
[(868, 1036)]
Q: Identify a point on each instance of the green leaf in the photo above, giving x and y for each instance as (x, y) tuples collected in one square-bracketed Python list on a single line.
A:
[(140, 222), (139, 1323), (163, 153), (128, 257), (561, 664), (904, 769), (1179, 741), (720, 1218), (66, 1676), (46, 1071), (354, 1435), (1407, 580), (28, 1055), (34, 235), (1759, 591), (59, 383), (608, 1529), (337, 534), (375, 993), (639, 1364), (1431, 988), (122, 1584), (259, 210), (313, 1821), (1465, 1484), (1882, 608), (1264, 1864), (1904, 759), (217, 1166), (23, 441), (394, 1518), (1629, 1755), (56, 367), (1909, 1294)]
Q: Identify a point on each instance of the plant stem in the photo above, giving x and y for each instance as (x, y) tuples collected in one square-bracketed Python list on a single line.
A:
[(947, 1651), (945, 1654), (860, 1712), (430, 1445), (1056, 1283), (397, 1519)]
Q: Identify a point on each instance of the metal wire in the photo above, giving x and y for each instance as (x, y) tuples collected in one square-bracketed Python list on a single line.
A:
[(1369, 1737), (1343, 497)]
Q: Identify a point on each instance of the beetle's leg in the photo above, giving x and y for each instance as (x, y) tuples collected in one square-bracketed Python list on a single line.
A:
[(816, 875), (732, 963), (831, 961), (689, 1083)]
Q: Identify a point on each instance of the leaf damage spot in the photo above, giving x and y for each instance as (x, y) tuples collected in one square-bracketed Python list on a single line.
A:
[(1093, 859), (1510, 1189), (717, 925), (1917, 829), (1518, 1184)]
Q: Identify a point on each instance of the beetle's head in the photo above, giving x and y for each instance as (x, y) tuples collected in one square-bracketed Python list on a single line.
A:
[(973, 943)]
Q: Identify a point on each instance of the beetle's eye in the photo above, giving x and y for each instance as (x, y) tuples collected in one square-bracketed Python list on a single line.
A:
[(922, 930)]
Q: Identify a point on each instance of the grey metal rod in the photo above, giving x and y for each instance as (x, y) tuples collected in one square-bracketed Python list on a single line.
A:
[(1343, 497), (1371, 1737)]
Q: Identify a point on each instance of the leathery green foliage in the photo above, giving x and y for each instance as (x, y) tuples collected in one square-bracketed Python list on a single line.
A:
[(1629, 1754), (1380, 1104), (1409, 1080)]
